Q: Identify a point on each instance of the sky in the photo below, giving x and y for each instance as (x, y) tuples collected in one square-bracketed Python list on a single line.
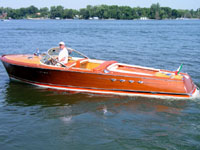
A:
[(77, 4)]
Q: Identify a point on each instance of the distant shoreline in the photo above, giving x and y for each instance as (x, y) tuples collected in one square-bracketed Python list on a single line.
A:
[(100, 12), (103, 19)]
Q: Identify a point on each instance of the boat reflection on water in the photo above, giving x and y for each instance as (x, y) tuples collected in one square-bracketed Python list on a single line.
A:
[(20, 94)]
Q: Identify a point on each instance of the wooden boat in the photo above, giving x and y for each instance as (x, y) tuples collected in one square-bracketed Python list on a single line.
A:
[(97, 76)]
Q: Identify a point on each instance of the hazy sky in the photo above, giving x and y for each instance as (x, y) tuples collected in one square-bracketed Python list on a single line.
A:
[(77, 4)]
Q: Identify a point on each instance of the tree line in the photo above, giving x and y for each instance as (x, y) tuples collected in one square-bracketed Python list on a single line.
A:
[(100, 11)]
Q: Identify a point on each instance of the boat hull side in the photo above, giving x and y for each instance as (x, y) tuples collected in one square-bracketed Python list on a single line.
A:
[(195, 94)]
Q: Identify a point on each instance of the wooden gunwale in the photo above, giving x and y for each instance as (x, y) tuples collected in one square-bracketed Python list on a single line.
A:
[(81, 70)]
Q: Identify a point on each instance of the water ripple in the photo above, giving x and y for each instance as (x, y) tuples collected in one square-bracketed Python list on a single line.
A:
[(32, 117)]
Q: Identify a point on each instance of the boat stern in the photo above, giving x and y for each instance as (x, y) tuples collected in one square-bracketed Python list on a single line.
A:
[(190, 87)]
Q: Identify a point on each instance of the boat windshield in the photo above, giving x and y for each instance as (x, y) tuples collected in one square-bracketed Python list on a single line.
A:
[(73, 53), (49, 58)]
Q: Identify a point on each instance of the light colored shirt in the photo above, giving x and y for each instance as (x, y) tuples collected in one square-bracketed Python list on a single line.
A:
[(63, 56)]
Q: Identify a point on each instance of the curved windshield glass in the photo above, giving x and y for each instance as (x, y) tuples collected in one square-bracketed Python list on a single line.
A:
[(73, 53), (50, 56), (54, 51)]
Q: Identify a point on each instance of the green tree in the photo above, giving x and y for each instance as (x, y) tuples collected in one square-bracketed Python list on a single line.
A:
[(155, 11), (100, 12), (91, 10), (1, 10), (32, 10), (188, 14), (106, 13), (84, 13), (56, 11), (198, 13), (165, 12), (175, 14), (69, 13), (125, 12), (44, 12), (114, 12), (15, 14)]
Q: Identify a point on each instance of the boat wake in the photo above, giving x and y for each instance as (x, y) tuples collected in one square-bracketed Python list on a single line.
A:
[(66, 119)]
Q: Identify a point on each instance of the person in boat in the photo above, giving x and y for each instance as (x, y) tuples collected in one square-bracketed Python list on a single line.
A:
[(63, 54)]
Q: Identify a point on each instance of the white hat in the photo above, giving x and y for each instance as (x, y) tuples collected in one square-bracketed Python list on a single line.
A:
[(61, 43)]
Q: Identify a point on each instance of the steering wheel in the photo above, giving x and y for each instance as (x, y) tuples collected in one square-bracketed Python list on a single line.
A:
[(69, 58)]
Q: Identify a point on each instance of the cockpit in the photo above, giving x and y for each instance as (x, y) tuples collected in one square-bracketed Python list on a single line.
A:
[(75, 60)]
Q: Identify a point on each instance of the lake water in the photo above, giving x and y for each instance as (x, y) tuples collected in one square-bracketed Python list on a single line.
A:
[(34, 118)]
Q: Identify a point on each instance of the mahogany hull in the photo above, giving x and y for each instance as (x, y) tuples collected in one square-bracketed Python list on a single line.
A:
[(97, 82)]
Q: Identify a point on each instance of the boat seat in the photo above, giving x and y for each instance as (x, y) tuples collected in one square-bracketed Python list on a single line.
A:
[(70, 64), (104, 65), (80, 61)]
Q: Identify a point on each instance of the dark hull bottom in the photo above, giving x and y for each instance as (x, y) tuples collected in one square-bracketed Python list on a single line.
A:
[(112, 92)]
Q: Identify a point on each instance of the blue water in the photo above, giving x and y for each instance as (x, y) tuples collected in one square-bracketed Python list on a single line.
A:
[(34, 118)]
